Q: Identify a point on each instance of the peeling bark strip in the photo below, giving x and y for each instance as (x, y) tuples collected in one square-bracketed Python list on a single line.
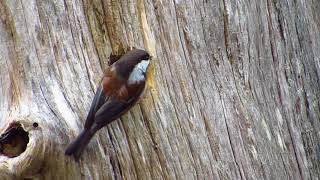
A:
[(233, 94)]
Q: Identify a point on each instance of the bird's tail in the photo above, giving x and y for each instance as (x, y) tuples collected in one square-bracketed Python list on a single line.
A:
[(78, 145)]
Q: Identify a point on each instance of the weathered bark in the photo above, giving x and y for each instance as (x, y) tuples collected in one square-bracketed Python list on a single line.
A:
[(233, 91)]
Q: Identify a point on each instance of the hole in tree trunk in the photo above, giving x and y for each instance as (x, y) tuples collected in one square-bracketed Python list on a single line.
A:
[(14, 141), (35, 124)]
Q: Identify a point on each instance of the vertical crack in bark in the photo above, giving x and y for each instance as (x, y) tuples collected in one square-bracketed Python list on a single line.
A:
[(114, 165), (185, 57), (69, 63), (136, 170), (230, 58), (155, 144), (230, 141), (294, 147), (106, 23), (310, 86), (182, 134), (160, 153), (212, 144), (164, 166), (46, 101), (175, 114), (79, 54), (193, 83), (8, 21), (111, 18), (275, 59), (172, 73), (97, 14), (226, 30)]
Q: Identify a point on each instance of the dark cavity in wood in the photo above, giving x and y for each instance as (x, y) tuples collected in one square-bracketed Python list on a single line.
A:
[(14, 141)]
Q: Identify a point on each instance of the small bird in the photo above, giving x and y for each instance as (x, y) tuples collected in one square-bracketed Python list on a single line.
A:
[(120, 88)]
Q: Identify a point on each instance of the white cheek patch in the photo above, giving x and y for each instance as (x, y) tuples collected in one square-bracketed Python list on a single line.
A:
[(138, 72), (143, 65)]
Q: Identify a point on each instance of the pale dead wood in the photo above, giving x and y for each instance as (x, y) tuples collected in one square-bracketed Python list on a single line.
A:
[(233, 91)]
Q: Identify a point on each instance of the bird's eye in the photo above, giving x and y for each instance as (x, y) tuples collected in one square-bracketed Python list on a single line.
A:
[(146, 57)]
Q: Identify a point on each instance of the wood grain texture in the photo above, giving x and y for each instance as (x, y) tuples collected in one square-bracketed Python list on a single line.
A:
[(233, 91)]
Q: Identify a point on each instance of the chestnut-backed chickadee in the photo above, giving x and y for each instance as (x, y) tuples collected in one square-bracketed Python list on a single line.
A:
[(120, 88)]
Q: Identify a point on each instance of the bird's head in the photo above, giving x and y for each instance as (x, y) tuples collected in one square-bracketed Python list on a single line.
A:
[(133, 65)]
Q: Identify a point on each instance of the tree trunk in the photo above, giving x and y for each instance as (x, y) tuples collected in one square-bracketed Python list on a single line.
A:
[(233, 91)]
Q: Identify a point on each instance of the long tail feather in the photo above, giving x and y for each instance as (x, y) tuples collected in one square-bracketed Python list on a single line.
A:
[(78, 145)]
